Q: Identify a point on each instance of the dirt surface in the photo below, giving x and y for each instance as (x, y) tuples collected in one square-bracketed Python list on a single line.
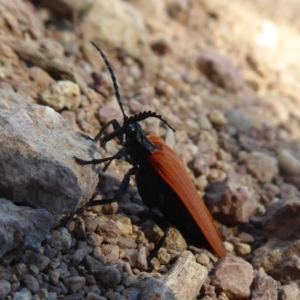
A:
[(226, 76)]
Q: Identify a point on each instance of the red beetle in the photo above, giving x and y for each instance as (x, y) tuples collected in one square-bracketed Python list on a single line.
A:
[(161, 178)]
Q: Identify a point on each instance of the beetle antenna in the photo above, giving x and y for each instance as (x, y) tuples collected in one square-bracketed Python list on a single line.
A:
[(113, 78), (145, 115)]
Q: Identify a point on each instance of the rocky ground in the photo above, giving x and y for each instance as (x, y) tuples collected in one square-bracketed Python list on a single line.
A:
[(224, 74)]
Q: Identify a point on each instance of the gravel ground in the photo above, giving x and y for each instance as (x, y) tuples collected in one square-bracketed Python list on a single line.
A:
[(224, 75)]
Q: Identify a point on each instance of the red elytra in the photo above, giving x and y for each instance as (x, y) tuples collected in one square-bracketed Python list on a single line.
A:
[(168, 166)]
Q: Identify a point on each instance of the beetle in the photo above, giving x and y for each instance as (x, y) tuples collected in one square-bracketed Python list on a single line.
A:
[(161, 178)]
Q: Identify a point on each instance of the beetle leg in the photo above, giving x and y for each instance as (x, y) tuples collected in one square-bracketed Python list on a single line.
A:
[(95, 203), (165, 226), (122, 153), (125, 182), (116, 126), (84, 207), (85, 136), (121, 192), (106, 166)]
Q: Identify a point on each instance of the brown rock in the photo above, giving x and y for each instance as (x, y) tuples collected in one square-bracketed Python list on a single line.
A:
[(281, 214), (69, 9), (62, 94), (122, 15), (279, 259), (109, 230), (233, 276), (174, 239), (290, 291), (178, 9), (110, 252), (39, 76), (288, 163), (172, 287), (163, 256), (242, 249), (142, 259), (26, 20), (155, 8), (131, 256), (232, 201), (262, 166), (217, 118), (124, 224), (264, 285), (126, 242), (220, 71), (94, 239)]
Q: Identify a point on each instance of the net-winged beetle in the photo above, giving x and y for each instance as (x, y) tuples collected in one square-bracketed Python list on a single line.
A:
[(161, 178)]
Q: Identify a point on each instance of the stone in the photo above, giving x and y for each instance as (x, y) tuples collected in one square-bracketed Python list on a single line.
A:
[(23, 14), (74, 283), (163, 256), (31, 283), (121, 15), (281, 214), (94, 239), (263, 283), (22, 226), (124, 224), (233, 276), (79, 255), (36, 150), (93, 265), (288, 163), (132, 293), (108, 276), (217, 118), (220, 70), (290, 291), (54, 276), (5, 288), (242, 249), (141, 261), (23, 294), (94, 296), (109, 230), (39, 260), (61, 239), (262, 166), (129, 281), (174, 239), (70, 9), (62, 94), (239, 121), (171, 286), (110, 252), (178, 9), (234, 200), (39, 76)]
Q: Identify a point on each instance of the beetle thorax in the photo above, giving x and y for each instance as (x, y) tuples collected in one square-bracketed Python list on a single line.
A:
[(137, 144)]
